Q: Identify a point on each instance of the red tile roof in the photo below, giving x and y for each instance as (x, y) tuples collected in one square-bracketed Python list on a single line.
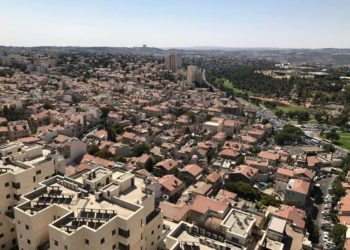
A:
[(291, 214), (170, 182), (202, 204), (213, 177), (268, 155), (167, 164), (299, 186), (285, 171), (245, 170), (192, 169), (229, 153)]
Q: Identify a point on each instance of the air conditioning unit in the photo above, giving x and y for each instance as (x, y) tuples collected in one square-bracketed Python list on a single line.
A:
[(210, 243)]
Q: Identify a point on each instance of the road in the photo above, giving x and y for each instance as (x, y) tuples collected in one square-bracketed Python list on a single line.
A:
[(324, 185)]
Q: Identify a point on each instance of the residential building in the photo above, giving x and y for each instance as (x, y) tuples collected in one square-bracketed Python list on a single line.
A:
[(22, 168), (173, 62), (62, 214)]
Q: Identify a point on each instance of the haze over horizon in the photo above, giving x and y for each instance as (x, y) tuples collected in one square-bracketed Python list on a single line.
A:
[(177, 23)]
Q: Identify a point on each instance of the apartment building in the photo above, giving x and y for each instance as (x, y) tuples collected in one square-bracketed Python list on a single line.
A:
[(102, 209), (21, 170), (18, 129), (194, 74), (173, 62)]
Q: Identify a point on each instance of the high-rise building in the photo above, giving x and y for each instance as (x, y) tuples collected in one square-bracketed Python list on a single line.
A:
[(173, 62), (194, 74), (22, 168)]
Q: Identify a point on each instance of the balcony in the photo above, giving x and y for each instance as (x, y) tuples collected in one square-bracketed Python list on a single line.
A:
[(10, 215), (152, 215)]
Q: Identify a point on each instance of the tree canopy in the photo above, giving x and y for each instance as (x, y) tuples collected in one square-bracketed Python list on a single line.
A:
[(289, 134)]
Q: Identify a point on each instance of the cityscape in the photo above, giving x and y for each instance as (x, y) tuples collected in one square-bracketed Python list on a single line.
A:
[(173, 147)]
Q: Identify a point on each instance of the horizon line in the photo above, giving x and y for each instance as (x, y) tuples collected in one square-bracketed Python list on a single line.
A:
[(202, 47)]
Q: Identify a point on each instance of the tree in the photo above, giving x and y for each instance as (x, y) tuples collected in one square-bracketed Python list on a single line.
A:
[(243, 189), (332, 135), (338, 235), (92, 149), (47, 106), (140, 149), (337, 189), (328, 148), (289, 134), (269, 200), (290, 202), (321, 116), (264, 121), (279, 113), (303, 116)]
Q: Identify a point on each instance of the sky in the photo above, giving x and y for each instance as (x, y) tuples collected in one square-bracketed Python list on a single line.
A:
[(176, 23)]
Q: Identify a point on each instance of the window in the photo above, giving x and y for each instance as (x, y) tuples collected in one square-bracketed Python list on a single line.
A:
[(123, 247), (38, 172), (152, 232), (114, 247), (65, 247), (27, 227), (124, 233), (8, 196), (12, 229), (3, 246), (159, 226), (113, 232), (56, 243), (18, 222), (7, 184), (28, 241), (34, 179), (14, 241), (152, 243), (17, 197), (87, 242), (1, 235), (16, 185), (102, 241)]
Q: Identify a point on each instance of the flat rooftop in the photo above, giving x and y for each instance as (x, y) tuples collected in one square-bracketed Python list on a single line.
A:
[(135, 193), (20, 166), (273, 245), (277, 225), (71, 200), (238, 222)]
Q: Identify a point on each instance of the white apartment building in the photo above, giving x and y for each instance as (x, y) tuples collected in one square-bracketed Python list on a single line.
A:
[(22, 168), (118, 212)]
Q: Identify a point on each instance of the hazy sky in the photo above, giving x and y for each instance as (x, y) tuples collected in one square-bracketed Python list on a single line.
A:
[(176, 23)]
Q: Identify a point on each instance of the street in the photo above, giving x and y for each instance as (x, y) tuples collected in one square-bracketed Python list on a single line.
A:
[(324, 185)]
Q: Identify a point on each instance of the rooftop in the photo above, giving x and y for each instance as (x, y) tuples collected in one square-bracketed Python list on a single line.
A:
[(239, 222)]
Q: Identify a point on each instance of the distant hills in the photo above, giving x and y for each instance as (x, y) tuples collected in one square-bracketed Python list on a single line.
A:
[(324, 56)]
